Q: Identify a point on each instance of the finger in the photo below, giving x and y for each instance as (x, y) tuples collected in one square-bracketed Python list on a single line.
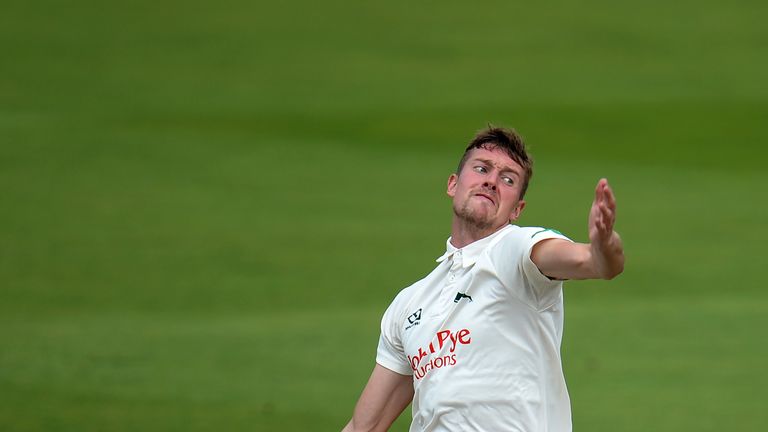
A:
[(607, 218), (600, 217), (599, 191), (609, 196), (601, 214), (601, 225), (606, 209)]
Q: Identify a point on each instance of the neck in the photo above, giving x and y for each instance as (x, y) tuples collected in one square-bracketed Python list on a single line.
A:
[(464, 232)]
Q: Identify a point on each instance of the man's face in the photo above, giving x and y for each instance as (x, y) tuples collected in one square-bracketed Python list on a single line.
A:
[(486, 193)]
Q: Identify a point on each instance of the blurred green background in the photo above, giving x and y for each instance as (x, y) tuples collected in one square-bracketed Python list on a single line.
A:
[(205, 207)]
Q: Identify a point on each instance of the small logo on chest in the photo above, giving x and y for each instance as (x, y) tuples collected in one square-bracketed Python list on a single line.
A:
[(460, 296), (414, 319)]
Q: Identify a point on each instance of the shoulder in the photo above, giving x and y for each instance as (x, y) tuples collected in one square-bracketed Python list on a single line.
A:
[(404, 297), (529, 235), (519, 238), (514, 245), (534, 232), (400, 306)]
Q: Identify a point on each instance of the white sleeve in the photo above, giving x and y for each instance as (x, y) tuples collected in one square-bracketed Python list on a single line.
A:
[(390, 352), (512, 258)]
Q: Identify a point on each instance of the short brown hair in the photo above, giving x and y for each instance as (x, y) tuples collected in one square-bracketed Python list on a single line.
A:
[(507, 140)]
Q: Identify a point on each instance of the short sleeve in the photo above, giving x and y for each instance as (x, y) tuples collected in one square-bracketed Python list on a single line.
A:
[(530, 269), (512, 258), (390, 352)]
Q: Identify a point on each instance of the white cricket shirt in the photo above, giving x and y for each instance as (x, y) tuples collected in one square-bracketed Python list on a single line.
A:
[(481, 337)]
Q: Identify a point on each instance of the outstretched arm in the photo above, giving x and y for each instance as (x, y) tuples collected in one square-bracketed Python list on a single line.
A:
[(602, 258), (385, 396)]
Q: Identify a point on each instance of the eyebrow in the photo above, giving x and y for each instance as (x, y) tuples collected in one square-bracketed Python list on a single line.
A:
[(504, 168)]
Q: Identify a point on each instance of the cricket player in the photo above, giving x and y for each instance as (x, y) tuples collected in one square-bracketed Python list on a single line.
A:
[(475, 345)]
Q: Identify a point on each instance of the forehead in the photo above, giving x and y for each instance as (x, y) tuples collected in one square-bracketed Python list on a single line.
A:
[(496, 157)]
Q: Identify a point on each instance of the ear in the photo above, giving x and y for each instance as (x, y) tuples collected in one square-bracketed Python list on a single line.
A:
[(452, 180), (517, 211)]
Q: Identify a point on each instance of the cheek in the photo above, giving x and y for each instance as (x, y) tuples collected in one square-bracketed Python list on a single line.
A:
[(462, 188), (510, 198)]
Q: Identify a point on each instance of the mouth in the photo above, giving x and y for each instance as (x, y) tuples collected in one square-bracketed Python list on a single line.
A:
[(487, 197)]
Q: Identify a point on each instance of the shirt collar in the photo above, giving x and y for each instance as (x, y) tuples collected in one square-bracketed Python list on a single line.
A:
[(469, 254)]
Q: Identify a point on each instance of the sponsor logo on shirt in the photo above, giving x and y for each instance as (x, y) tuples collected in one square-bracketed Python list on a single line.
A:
[(424, 361), (460, 296), (414, 319)]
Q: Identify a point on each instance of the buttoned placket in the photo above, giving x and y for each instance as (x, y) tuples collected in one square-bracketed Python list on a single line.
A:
[(454, 273)]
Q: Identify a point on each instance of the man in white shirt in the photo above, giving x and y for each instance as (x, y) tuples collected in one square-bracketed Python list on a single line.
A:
[(475, 345)]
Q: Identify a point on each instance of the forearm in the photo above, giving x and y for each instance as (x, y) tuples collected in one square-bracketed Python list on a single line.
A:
[(565, 260), (364, 422), (385, 396)]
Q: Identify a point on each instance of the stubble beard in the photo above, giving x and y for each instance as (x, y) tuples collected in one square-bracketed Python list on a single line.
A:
[(474, 219)]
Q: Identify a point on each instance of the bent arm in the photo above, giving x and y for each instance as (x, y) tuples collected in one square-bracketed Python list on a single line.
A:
[(383, 399), (602, 258), (564, 260)]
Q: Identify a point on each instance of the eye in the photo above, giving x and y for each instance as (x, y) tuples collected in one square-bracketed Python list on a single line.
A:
[(508, 180), (481, 169)]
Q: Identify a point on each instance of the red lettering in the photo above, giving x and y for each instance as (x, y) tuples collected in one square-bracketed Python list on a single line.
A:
[(420, 374), (462, 334), (445, 339), (414, 362), (442, 336), (422, 354)]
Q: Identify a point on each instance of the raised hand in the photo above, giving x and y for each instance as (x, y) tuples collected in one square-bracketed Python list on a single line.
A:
[(606, 249), (603, 213)]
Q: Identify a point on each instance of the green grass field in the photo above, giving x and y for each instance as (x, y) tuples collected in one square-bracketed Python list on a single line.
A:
[(206, 207)]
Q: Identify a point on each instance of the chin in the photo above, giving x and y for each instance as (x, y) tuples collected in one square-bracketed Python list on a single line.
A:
[(479, 221), (478, 216)]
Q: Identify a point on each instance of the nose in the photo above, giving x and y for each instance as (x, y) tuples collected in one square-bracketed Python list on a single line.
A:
[(489, 185), (491, 180)]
